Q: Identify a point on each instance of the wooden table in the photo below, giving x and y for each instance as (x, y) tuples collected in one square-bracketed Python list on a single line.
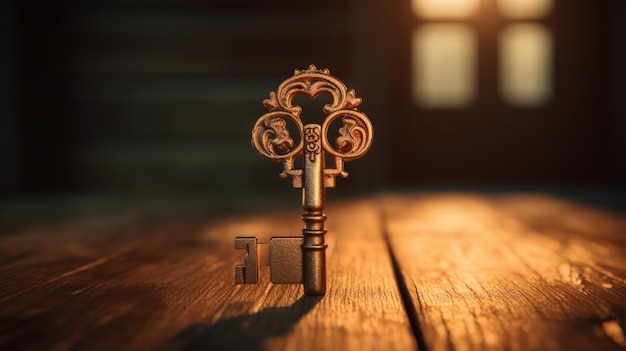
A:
[(427, 271)]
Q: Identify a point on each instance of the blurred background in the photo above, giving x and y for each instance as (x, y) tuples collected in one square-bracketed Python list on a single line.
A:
[(159, 97)]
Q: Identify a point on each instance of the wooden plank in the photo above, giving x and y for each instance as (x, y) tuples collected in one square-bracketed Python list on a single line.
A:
[(168, 284), (517, 272)]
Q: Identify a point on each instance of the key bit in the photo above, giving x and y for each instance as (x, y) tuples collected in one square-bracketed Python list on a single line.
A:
[(303, 259), (282, 254), (286, 260), (247, 273)]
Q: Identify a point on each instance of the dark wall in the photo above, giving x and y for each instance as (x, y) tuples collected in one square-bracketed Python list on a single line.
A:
[(7, 103), (567, 140), (160, 96), (617, 74), (45, 118)]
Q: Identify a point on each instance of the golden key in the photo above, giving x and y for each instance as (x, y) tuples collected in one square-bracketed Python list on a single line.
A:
[(302, 259)]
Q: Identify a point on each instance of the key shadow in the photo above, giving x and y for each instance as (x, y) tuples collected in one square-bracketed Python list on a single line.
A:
[(246, 332)]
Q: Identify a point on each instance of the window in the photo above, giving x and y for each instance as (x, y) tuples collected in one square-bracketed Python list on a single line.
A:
[(525, 67), (445, 53), (444, 9), (444, 74), (524, 9)]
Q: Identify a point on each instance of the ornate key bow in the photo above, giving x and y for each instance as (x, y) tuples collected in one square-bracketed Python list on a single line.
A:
[(302, 259)]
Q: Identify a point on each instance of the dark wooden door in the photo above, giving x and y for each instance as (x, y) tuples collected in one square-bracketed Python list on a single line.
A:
[(564, 138)]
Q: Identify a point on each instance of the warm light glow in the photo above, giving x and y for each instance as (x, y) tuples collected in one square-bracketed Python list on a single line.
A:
[(526, 64), (444, 65), (525, 8), (444, 8)]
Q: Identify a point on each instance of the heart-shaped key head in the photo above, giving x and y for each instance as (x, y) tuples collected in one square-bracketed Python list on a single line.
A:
[(271, 138)]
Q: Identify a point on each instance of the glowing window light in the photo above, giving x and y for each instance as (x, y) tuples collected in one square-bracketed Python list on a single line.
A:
[(525, 8), (526, 64), (452, 9), (444, 62)]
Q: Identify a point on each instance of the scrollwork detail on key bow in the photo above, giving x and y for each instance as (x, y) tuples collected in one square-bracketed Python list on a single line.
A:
[(276, 136), (271, 138), (312, 82), (355, 136)]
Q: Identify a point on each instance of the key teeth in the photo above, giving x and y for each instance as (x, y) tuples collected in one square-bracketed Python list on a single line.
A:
[(247, 273), (239, 274)]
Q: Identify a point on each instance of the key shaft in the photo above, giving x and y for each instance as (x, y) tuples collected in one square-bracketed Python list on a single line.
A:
[(313, 202)]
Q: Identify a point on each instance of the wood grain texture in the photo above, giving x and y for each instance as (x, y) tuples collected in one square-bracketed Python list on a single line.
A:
[(516, 272), (162, 283)]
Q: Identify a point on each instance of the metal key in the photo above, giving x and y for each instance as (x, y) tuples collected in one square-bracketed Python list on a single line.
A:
[(302, 259)]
